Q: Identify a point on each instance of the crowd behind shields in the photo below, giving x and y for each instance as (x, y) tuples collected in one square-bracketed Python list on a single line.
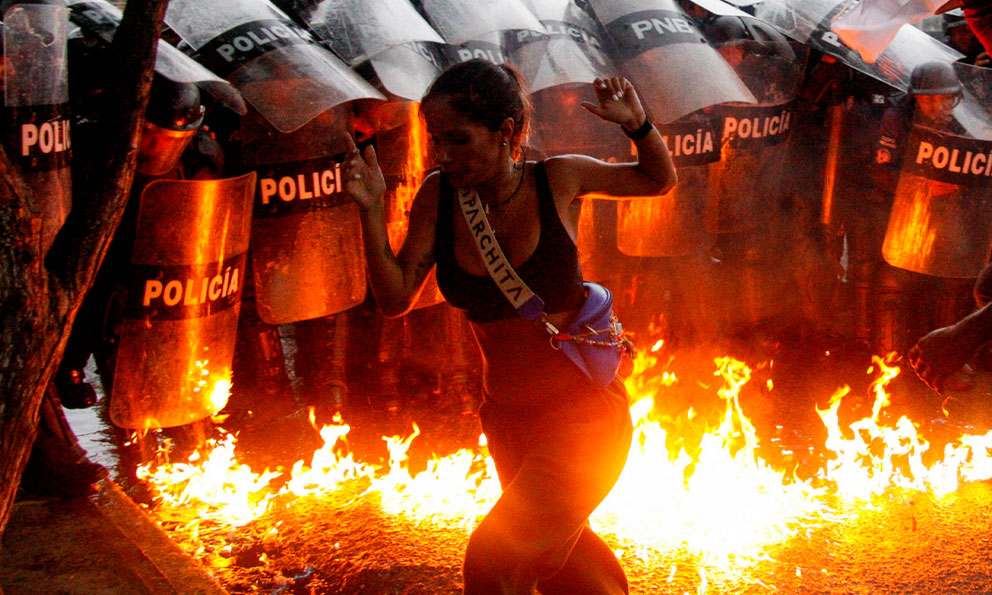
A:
[(559, 440)]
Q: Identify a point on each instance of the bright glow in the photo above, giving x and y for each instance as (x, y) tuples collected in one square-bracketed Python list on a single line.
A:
[(688, 480)]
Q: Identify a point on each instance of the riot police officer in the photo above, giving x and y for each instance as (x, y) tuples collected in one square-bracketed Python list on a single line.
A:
[(172, 121), (886, 285)]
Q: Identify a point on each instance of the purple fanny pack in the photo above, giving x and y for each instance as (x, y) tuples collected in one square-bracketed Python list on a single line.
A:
[(594, 340)]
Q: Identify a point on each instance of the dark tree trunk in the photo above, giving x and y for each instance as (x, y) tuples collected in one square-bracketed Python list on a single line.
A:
[(39, 295)]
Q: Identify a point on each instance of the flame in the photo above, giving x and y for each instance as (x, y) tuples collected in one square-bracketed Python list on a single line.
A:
[(871, 457), (413, 175), (672, 494)]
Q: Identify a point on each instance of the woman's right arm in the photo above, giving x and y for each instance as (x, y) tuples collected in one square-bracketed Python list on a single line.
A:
[(396, 280)]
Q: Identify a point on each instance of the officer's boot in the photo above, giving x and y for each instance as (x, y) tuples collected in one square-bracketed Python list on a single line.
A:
[(390, 375), (320, 360), (261, 388), (891, 332), (863, 277), (58, 466)]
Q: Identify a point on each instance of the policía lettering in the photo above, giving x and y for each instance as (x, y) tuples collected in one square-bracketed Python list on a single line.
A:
[(691, 143), (47, 138), (182, 292), (948, 158), (559, 29), (251, 41), (466, 54), (758, 126), (301, 186), (959, 161), (477, 49), (228, 51), (192, 292)]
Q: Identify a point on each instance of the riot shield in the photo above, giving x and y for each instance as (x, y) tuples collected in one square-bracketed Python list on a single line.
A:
[(465, 20), (754, 139), (306, 238), (178, 333), (561, 125), (939, 223), (683, 221), (572, 51), (388, 37), (277, 66), (663, 53), (358, 29), (808, 22), (488, 46), (36, 96), (101, 19), (406, 71)]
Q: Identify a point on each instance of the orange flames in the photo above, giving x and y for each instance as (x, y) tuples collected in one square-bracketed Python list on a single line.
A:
[(668, 497), (412, 176)]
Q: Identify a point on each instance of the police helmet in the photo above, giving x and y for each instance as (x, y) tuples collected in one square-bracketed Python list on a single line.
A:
[(727, 28), (934, 78), (173, 105), (954, 18), (173, 116)]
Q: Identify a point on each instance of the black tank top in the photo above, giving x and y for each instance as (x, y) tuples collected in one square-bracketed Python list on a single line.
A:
[(552, 271)]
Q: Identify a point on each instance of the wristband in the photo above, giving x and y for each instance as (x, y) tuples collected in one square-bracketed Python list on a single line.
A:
[(641, 131)]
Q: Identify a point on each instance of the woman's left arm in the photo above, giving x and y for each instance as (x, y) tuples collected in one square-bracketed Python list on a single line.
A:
[(652, 174)]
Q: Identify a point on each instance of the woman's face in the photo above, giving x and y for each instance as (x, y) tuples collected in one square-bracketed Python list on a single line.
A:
[(467, 152)]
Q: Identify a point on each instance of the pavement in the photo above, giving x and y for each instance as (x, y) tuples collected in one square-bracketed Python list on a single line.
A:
[(101, 544)]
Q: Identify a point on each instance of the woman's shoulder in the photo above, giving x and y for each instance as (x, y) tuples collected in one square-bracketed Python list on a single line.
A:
[(567, 163), (430, 187), (566, 172)]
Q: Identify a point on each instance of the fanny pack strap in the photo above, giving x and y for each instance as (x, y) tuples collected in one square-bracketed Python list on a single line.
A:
[(528, 304)]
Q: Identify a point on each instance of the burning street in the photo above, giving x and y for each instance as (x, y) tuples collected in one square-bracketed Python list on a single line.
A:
[(715, 498), (324, 273)]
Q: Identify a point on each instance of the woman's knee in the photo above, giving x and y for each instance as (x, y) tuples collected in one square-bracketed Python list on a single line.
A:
[(494, 565)]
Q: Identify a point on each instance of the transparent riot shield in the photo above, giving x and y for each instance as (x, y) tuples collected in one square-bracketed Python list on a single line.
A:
[(939, 223), (406, 71), (404, 157), (663, 53), (388, 38), (178, 333), (465, 20), (572, 51), (752, 172), (36, 95), (276, 65), (489, 46), (358, 29), (306, 239), (808, 22), (683, 221), (561, 125), (101, 18)]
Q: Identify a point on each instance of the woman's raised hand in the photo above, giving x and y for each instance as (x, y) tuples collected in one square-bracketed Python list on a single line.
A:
[(361, 177), (618, 102)]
